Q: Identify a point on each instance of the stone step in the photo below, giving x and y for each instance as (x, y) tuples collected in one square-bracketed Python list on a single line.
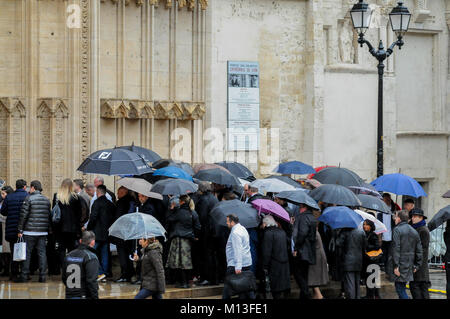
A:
[(177, 293)]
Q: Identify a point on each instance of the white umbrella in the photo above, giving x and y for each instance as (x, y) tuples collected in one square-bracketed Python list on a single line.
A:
[(271, 185), (139, 185), (243, 181), (379, 226)]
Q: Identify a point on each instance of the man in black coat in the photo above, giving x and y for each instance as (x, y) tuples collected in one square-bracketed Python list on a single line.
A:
[(11, 209), (251, 193), (304, 237), (101, 219), (124, 248), (352, 243), (80, 270), (419, 286), (34, 226), (447, 256), (205, 244)]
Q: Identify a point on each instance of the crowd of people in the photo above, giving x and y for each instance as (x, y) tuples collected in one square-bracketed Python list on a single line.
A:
[(201, 253)]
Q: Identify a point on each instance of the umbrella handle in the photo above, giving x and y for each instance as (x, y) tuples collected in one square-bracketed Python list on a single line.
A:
[(132, 256)]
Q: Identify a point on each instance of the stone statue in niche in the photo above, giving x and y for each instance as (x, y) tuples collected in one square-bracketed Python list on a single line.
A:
[(346, 42)]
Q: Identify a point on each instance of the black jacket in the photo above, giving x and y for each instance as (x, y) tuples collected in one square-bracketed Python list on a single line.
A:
[(71, 221), (373, 242), (423, 274), (35, 215), (352, 243), (123, 206), (204, 205), (113, 196), (304, 236), (102, 217), (447, 243), (406, 253), (275, 258), (255, 197), (82, 261), (11, 209), (182, 222)]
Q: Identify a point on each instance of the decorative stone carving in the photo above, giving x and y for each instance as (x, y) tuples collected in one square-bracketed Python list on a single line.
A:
[(12, 107), (161, 110), (190, 4), (421, 12), (52, 107), (346, 42)]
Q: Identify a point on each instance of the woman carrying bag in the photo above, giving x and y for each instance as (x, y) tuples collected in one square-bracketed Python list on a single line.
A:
[(68, 228), (373, 256)]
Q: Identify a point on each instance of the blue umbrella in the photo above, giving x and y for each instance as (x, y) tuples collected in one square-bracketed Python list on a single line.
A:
[(399, 184), (340, 217), (173, 172), (294, 167)]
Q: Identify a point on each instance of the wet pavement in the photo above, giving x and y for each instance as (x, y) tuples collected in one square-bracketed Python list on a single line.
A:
[(54, 289)]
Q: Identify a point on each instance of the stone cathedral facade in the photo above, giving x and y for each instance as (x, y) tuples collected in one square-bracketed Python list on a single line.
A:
[(81, 75)]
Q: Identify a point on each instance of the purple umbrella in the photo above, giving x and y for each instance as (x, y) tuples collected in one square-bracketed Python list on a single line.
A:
[(269, 207)]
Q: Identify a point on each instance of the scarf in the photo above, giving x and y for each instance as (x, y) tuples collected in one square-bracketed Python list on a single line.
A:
[(419, 224)]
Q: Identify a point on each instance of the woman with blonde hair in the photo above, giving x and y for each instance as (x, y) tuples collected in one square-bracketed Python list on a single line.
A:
[(68, 230)]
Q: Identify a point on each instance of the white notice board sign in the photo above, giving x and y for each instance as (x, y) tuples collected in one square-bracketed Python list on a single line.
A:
[(243, 106)]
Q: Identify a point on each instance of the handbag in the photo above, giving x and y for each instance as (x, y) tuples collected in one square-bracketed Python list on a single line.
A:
[(374, 255), (56, 213), (244, 282), (20, 250)]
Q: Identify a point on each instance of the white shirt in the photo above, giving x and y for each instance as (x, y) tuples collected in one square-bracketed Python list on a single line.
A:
[(238, 248), (387, 220)]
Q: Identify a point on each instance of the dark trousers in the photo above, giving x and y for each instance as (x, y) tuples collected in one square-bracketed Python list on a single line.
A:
[(447, 274), (145, 293), (279, 294), (385, 247), (39, 243), (53, 261), (400, 288), (208, 270), (301, 268), (351, 280), (124, 250), (66, 243), (419, 290), (227, 291), (15, 265)]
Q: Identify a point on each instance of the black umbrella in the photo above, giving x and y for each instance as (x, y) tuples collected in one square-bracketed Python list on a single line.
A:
[(217, 176), (335, 194), (298, 197), (237, 169), (148, 155), (287, 180), (116, 161), (373, 203), (340, 176), (174, 187), (447, 194), (248, 216), (169, 162), (441, 217)]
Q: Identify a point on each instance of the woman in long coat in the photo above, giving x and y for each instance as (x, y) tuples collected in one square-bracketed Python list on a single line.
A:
[(318, 273), (275, 258)]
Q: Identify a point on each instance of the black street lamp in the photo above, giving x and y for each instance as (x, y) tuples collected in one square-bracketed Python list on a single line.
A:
[(399, 18)]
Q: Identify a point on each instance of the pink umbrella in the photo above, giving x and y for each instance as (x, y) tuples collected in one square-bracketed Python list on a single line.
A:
[(270, 207)]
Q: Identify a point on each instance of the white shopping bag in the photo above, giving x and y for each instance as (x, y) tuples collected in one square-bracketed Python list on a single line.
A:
[(20, 250)]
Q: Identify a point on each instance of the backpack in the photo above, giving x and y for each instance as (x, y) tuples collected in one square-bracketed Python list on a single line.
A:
[(56, 212)]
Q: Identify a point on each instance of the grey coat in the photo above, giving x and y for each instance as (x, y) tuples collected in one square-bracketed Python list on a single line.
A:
[(423, 273), (406, 253), (318, 273)]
